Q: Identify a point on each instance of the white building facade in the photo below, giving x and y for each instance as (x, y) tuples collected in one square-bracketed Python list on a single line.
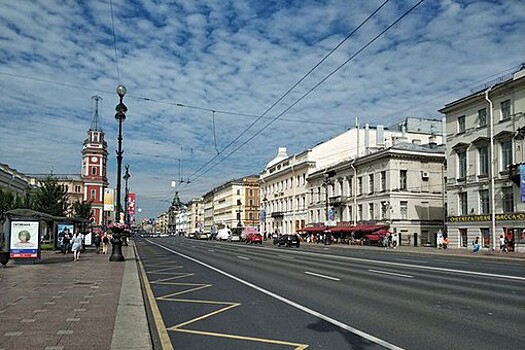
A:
[(485, 150)]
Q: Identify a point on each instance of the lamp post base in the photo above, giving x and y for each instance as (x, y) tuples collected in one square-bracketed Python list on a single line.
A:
[(116, 249)]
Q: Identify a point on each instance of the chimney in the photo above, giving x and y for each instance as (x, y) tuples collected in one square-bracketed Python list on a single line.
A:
[(367, 138)]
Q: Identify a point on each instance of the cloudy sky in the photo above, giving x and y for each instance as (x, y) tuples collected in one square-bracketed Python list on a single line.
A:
[(208, 80)]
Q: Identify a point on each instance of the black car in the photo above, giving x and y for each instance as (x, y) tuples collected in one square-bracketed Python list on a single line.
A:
[(289, 241)]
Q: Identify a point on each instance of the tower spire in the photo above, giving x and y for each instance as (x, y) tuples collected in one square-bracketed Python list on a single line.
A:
[(94, 122)]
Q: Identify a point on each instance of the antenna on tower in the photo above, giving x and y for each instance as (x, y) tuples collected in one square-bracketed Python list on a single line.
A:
[(94, 123)]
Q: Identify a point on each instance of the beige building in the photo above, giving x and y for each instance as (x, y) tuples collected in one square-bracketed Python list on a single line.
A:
[(195, 215), (232, 204), (285, 191), (401, 188), (485, 149), (74, 188), (14, 181)]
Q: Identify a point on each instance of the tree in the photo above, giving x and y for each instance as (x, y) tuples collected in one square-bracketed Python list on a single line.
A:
[(10, 200), (82, 210), (50, 198)]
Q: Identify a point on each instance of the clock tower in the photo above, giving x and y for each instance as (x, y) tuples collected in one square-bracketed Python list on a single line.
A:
[(94, 165)]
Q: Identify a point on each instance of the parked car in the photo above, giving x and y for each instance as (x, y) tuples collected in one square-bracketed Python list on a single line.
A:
[(234, 237), (191, 235), (289, 241), (202, 235), (223, 234), (254, 238)]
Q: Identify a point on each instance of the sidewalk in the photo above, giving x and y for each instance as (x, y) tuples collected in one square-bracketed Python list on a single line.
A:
[(464, 252), (59, 304)]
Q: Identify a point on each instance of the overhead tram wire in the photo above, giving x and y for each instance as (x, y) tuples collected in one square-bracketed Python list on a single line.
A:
[(291, 88), (313, 88)]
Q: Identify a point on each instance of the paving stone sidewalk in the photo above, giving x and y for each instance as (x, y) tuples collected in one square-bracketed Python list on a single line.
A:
[(60, 304)]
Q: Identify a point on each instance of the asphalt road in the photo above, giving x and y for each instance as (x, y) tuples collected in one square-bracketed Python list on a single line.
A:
[(214, 295)]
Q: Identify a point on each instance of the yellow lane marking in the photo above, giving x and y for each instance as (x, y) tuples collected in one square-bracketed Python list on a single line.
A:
[(296, 346), (197, 287), (159, 324), (180, 275), (229, 306)]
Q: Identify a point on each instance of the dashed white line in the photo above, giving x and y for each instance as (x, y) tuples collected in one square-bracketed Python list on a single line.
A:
[(243, 257), (322, 276), (211, 250), (391, 273)]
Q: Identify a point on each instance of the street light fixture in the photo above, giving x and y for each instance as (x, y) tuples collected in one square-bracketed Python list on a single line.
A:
[(120, 116)]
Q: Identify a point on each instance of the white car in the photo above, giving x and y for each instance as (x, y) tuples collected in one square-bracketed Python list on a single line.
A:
[(223, 234), (234, 237)]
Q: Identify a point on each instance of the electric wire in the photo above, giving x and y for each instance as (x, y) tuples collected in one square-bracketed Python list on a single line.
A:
[(309, 91), (292, 87)]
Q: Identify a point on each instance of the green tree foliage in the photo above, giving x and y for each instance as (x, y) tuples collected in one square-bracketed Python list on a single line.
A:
[(10, 200), (82, 210), (50, 198)]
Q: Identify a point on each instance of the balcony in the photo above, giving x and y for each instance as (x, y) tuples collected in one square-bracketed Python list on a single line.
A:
[(338, 200)]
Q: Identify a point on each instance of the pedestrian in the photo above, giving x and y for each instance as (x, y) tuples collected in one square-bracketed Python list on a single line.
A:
[(97, 243), (66, 242), (445, 242), (105, 243), (502, 244), (475, 245), (76, 246)]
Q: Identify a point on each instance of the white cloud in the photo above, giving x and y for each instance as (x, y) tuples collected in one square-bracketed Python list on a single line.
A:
[(237, 56)]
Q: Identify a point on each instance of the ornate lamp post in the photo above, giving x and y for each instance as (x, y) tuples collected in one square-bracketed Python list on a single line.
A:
[(117, 230)]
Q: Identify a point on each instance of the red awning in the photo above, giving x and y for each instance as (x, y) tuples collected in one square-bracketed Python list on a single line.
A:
[(313, 229), (358, 228)]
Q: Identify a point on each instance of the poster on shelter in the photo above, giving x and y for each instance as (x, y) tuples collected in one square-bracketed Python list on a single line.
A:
[(24, 239), (62, 230)]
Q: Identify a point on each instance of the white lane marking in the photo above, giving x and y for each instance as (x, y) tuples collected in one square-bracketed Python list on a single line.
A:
[(243, 257), (211, 250), (286, 256), (391, 273), (322, 276), (314, 313)]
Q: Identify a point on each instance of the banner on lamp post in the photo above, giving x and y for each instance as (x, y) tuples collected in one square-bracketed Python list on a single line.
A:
[(522, 182)]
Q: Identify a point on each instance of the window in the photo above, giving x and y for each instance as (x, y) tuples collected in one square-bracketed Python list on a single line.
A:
[(371, 183), (359, 185), (505, 109), (383, 181), (371, 211), (250, 216), (251, 192), (463, 236), (508, 199), (402, 179), (483, 160), (482, 117), (506, 154), (251, 202), (93, 171), (485, 236), (463, 205), (461, 123), (238, 192), (350, 190), (484, 202), (93, 194), (403, 209), (384, 210), (462, 164), (360, 212)]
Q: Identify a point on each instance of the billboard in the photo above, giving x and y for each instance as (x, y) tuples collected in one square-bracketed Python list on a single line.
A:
[(131, 204), (62, 230), (109, 199), (24, 239)]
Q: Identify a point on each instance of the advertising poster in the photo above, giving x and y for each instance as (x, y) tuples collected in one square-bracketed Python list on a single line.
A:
[(109, 199), (24, 239), (62, 230), (522, 183)]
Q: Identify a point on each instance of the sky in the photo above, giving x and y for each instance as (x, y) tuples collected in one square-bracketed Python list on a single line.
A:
[(215, 87)]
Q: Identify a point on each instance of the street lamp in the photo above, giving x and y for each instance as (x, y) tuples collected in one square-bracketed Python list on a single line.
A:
[(239, 211), (126, 204), (116, 243)]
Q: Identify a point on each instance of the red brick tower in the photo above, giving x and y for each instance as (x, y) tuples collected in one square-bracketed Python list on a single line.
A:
[(94, 165)]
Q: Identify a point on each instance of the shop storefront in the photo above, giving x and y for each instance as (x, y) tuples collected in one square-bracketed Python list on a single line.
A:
[(462, 230)]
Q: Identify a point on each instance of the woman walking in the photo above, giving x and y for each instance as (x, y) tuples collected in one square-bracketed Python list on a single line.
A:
[(105, 243), (77, 246)]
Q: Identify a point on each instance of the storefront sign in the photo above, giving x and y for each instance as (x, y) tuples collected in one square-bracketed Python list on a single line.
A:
[(499, 217), (24, 239)]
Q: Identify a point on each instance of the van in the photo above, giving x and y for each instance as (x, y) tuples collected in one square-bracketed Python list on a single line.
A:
[(223, 234)]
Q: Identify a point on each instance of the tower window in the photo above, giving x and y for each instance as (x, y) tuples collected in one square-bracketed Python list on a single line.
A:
[(93, 171)]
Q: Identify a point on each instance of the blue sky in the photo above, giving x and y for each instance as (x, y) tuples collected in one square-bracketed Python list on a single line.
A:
[(180, 60)]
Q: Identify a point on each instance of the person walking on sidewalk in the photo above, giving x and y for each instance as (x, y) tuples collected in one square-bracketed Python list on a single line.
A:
[(76, 246), (97, 243), (105, 243), (66, 242), (502, 244)]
